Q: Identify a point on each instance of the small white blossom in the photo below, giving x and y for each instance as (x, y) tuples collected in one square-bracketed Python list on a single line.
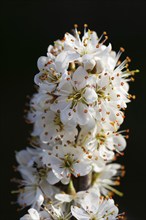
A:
[(50, 212), (68, 160), (48, 124), (39, 104), (49, 75), (36, 177), (54, 130), (93, 207), (76, 197), (59, 212), (105, 180), (105, 141), (76, 99), (88, 44), (30, 194), (33, 215), (56, 49)]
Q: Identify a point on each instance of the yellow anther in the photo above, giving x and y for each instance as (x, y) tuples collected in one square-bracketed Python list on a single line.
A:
[(75, 26)]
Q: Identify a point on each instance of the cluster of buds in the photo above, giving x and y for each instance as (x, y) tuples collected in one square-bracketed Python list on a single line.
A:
[(69, 169)]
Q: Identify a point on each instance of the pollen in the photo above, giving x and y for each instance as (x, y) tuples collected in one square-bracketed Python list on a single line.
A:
[(85, 25), (75, 25), (122, 49), (128, 59)]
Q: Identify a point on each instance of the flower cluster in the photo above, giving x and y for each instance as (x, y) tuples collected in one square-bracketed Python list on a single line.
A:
[(76, 115)]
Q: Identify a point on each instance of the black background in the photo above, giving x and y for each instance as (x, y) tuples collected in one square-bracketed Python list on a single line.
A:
[(27, 28)]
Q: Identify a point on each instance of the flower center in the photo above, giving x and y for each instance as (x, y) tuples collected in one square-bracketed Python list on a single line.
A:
[(54, 76), (50, 76), (42, 171), (68, 161), (101, 138), (58, 122), (102, 94), (94, 218), (77, 96)]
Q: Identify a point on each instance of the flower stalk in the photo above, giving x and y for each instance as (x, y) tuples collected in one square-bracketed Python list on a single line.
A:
[(71, 189)]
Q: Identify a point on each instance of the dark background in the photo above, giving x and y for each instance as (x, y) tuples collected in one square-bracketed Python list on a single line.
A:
[(27, 28)]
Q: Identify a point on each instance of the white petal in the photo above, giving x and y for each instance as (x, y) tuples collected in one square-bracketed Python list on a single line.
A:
[(120, 142), (66, 88), (82, 116), (47, 188), (105, 153), (64, 197), (65, 180), (34, 214), (63, 59), (24, 158), (27, 174), (39, 197), (94, 38), (41, 62), (82, 168), (27, 197), (67, 115), (26, 217), (104, 81), (47, 135), (51, 178), (108, 207), (79, 75), (90, 95), (91, 200), (99, 66), (60, 104), (79, 213), (111, 62)]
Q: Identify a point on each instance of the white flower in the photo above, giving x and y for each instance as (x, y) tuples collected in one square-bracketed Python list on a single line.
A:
[(59, 212), (25, 158), (107, 178), (49, 75), (76, 99), (35, 190), (33, 215), (47, 124), (36, 142), (31, 193), (39, 104), (50, 212), (76, 197), (97, 161), (34, 186), (82, 90), (53, 70), (91, 50), (68, 160), (95, 208), (105, 141), (109, 98), (53, 130), (56, 48), (88, 45)]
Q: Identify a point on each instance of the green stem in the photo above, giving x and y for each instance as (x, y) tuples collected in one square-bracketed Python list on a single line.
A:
[(71, 189)]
